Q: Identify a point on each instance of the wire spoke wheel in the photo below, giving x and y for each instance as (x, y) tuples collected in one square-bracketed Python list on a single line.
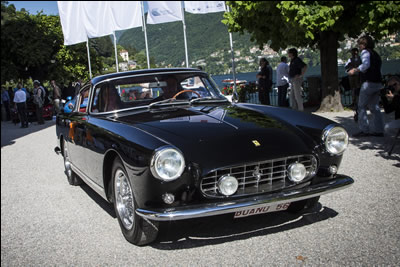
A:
[(135, 229), (124, 199)]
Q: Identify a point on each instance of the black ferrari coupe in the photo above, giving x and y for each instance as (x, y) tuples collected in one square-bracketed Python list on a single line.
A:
[(165, 144)]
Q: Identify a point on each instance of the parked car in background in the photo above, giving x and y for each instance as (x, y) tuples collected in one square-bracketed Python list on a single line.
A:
[(31, 110), (161, 147)]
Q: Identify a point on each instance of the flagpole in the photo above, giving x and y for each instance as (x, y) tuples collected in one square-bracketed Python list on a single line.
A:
[(88, 52), (235, 95), (184, 34), (115, 48), (145, 35)]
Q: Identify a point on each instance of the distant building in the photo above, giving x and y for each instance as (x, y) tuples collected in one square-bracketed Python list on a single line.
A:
[(132, 64), (124, 54)]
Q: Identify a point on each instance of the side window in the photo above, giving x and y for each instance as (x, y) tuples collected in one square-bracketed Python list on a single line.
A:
[(83, 100), (106, 98), (96, 101)]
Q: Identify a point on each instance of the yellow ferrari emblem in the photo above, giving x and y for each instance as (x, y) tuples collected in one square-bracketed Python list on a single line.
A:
[(256, 143)]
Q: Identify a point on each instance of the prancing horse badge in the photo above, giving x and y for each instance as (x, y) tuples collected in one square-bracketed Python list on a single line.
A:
[(256, 143)]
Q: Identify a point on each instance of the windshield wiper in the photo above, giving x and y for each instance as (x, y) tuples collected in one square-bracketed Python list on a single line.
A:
[(167, 102), (208, 98)]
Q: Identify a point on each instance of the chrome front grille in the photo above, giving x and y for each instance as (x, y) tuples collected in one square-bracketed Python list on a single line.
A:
[(258, 177)]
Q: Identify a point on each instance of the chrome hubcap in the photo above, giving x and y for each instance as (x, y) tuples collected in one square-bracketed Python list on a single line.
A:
[(124, 199)]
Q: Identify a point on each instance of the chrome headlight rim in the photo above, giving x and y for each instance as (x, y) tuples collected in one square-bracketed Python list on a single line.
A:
[(297, 165), (221, 187), (326, 134), (156, 157)]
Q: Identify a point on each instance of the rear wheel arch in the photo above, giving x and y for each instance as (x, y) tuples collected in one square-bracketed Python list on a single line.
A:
[(107, 172)]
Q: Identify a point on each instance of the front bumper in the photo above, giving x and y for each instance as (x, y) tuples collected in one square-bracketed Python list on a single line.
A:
[(230, 206)]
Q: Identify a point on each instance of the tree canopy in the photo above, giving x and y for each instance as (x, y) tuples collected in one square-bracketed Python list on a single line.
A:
[(316, 24), (32, 47)]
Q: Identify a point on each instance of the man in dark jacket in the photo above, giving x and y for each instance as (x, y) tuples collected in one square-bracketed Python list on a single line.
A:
[(371, 83), (297, 69)]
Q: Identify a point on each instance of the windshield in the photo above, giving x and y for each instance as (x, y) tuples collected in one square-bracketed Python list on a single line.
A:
[(148, 90)]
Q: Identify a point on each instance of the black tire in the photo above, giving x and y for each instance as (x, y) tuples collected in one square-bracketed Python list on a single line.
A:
[(136, 230), (303, 205), (72, 177)]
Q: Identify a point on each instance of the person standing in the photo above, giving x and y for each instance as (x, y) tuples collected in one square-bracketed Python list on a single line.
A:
[(56, 96), (371, 83), (282, 78), (297, 69), (263, 82), (38, 93), (354, 80), (5, 100), (20, 105)]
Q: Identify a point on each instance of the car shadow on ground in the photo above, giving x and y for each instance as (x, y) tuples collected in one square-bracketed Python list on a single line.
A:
[(10, 131), (106, 206), (213, 230), (381, 145), (207, 231)]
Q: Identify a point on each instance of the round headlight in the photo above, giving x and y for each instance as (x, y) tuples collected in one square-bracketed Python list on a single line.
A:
[(336, 140), (297, 172), (228, 185), (167, 164)]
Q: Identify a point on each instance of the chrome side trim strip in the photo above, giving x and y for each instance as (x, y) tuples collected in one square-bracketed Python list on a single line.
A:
[(230, 206), (99, 190)]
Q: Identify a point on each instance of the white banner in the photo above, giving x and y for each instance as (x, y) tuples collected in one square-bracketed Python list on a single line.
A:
[(83, 19), (72, 26), (97, 18), (164, 11), (126, 14), (203, 7)]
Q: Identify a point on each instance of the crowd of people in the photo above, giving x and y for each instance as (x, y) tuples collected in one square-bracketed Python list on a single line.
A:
[(366, 83), (285, 74), (16, 102)]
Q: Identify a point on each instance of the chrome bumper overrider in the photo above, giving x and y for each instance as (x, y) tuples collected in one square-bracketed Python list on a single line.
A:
[(229, 206)]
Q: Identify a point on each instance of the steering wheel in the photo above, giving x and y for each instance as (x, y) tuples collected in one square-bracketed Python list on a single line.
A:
[(185, 91)]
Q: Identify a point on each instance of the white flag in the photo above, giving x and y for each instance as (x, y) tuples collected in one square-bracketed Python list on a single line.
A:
[(83, 19), (97, 18), (126, 14), (71, 22), (164, 11), (202, 7)]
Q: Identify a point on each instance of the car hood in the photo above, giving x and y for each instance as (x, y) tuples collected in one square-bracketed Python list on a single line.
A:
[(216, 136)]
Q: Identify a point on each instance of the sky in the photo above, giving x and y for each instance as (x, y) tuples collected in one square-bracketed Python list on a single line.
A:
[(48, 7)]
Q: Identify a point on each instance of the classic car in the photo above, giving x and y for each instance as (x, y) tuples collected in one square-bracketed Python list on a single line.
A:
[(162, 147)]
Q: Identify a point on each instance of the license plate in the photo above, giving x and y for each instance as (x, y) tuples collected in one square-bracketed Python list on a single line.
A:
[(261, 209)]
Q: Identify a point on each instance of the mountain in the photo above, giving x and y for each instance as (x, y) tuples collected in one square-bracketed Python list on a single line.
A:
[(207, 41)]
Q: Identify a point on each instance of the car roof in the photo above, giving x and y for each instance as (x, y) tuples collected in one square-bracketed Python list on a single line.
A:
[(98, 79)]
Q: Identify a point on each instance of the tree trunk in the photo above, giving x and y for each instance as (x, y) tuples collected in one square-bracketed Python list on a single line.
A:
[(331, 99)]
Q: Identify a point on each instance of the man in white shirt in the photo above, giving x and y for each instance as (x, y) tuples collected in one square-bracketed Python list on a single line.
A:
[(282, 77), (20, 104)]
